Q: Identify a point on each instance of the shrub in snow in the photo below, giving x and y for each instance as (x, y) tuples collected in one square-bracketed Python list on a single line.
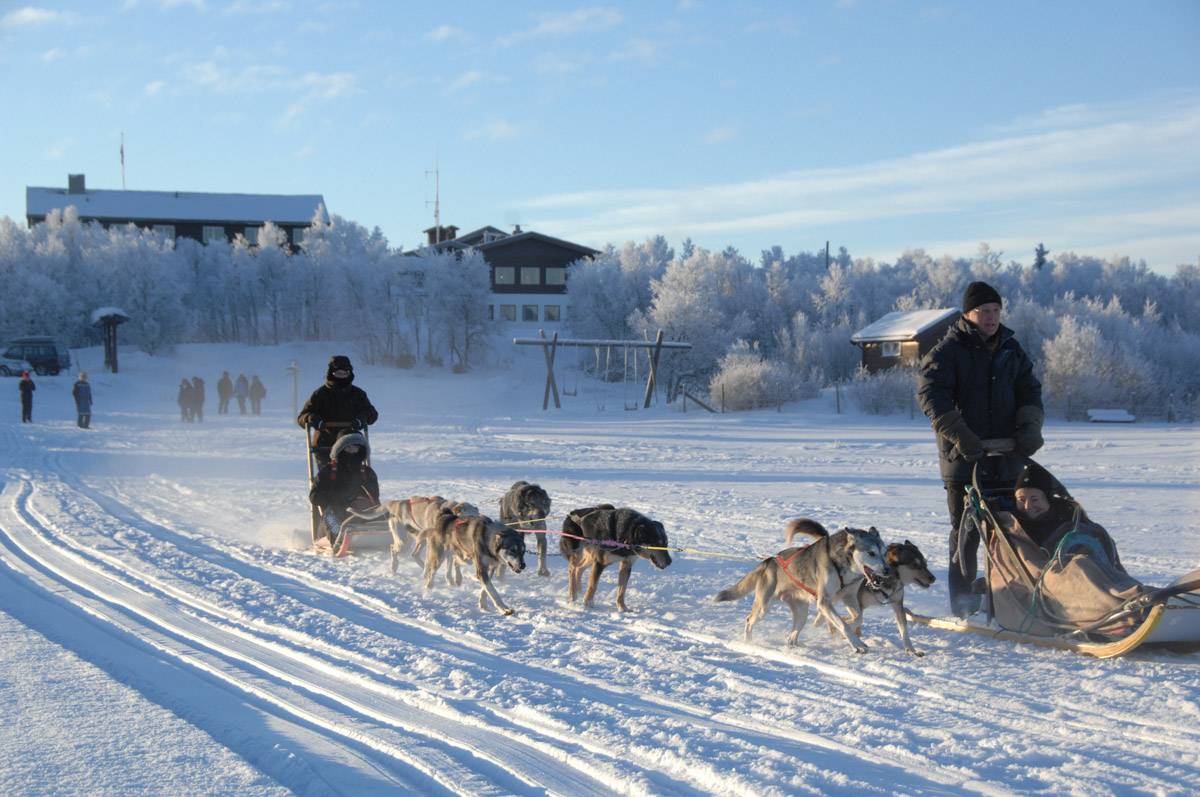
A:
[(883, 392), (746, 380)]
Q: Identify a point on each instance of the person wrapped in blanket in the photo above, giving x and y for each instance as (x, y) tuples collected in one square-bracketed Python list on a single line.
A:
[(1073, 577), (346, 482)]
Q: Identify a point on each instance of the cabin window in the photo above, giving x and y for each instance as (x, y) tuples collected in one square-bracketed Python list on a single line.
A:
[(531, 275), (508, 312), (298, 235), (529, 312), (556, 275), (251, 235), (504, 275), (890, 348), (491, 312), (212, 234), (551, 313), (165, 230)]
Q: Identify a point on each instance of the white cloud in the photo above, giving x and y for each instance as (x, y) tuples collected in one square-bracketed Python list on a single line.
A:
[(53, 54), (256, 7), (57, 150), (496, 130), (154, 87), (720, 135), (1007, 183), (248, 79), (165, 5), (34, 17), (445, 33), (467, 79), (316, 88), (582, 20), (638, 49)]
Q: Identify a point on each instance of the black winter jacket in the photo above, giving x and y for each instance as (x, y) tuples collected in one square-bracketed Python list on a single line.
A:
[(986, 386), (336, 403)]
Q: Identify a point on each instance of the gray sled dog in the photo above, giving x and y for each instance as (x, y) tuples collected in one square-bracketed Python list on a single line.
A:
[(409, 517), (906, 565), (821, 573), (476, 540), (629, 534), (528, 505)]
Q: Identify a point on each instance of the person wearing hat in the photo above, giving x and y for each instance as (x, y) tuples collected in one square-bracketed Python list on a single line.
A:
[(26, 386), (346, 481), (977, 384), (82, 393), (336, 405)]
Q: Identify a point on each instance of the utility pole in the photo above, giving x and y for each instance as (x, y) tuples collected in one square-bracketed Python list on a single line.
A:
[(827, 255), (437, 200), (122, 160)]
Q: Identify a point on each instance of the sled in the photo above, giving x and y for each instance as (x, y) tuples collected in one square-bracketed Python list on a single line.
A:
[(355, 532), (1020, 596)]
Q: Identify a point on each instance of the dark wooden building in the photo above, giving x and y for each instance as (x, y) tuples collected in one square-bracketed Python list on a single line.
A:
[(902, 337), (529, 269), (204, 217)]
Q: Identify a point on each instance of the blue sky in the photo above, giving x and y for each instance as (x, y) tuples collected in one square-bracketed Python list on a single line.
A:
[(880, 126)]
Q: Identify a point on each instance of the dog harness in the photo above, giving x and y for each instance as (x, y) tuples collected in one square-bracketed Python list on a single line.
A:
[(784, 564)]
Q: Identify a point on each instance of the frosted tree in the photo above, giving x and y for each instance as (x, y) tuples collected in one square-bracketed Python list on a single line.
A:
[(459, 286)]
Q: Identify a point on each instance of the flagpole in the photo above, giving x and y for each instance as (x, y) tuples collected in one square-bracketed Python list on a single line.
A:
[(122, 160)]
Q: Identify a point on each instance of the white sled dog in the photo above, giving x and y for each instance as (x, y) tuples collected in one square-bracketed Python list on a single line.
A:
[(408, 518), (528, 505), (477, 540), (821, 573)]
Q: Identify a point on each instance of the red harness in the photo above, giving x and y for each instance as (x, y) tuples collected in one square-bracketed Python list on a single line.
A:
[(783, 563)]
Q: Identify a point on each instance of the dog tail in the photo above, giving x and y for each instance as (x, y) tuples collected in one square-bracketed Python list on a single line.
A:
[(744, 587), (807, 527)]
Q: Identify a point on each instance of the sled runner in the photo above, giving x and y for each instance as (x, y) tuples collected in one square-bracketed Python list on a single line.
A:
[(1053, 578), (355, 532)]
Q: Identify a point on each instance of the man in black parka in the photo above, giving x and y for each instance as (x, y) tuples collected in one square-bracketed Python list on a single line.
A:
[(977, 384), (338, 404)]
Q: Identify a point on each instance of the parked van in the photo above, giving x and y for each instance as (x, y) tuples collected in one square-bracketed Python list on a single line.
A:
[(46, 355)]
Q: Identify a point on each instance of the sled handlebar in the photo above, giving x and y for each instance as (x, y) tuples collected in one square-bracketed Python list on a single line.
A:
[(999, 445)]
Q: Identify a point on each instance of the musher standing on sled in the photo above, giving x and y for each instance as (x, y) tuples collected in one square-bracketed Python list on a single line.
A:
[(977, 384), (336, 405)]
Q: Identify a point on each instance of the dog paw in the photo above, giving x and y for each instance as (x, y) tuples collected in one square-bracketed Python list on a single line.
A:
[(543, 572), (915, 652), (862, 649), (508, 612)]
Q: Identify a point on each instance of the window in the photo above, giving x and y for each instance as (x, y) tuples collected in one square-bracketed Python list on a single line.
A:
[(504, 275), (251, 235), (212, 234), (556, 275), (890, 348), (508, 312), (165, 230), (491, 312), (551, 312), (529, 312), (531, 275), (298, 235)]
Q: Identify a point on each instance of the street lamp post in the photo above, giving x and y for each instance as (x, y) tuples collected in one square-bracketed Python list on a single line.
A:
[(293, 368)]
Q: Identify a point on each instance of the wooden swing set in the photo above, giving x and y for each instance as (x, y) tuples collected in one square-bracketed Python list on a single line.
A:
[(551, 345)]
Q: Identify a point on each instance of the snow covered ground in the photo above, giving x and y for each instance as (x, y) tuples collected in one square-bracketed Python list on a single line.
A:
[(164, 629)]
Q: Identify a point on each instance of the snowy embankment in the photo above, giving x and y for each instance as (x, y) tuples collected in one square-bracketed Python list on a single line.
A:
[(165, 629)]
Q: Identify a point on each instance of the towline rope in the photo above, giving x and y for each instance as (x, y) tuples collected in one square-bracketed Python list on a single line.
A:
[(618, 544)]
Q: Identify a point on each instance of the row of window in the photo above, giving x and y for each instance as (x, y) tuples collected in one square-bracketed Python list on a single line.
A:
[(530, 275), (529, 312), (216, 233)]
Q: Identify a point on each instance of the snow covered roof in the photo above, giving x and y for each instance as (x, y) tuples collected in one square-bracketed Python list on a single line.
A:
[(175, 205), (902, 325), (101, 312)]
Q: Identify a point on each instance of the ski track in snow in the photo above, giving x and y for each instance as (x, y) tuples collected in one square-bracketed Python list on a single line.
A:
[(334, 676)]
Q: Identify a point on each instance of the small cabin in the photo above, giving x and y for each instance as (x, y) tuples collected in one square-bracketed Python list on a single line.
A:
[(902, 337)]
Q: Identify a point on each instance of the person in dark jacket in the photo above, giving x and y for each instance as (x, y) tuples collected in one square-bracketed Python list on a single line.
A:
[(977, 384), (338, 404), (258, 392), (184, 400), (345, 482), (82, 392), (198, 398), (241, 389), (224, 393), (26, 386)]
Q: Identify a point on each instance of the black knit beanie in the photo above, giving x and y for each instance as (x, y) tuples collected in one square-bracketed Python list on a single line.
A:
[(978, 293), (1034, 475), (339, 362)]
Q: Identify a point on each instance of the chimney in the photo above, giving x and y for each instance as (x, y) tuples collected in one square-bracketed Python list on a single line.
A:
[(516, 229), (435, 235), (76, 184)]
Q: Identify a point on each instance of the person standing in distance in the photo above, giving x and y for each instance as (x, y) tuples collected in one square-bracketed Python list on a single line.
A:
[(82, 392), (977, 384), (26, 386)]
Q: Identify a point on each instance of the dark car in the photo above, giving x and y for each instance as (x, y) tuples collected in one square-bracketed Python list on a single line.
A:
[(45, 354)]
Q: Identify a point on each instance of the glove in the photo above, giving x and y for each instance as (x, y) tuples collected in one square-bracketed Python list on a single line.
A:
[(318, 424), (952, 427), (359, 424), (1028, 434)]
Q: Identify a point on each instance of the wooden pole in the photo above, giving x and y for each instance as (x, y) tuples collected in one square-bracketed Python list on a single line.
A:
[(550, 349), (650, 380)]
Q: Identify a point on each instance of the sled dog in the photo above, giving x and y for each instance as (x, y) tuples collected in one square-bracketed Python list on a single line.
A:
[(821, 573), (477, 540), (906, 565), (409, 517), (528, 505), (609, 536)]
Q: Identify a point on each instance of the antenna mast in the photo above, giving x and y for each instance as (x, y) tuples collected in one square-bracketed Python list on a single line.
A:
[(122, 160), (437, 201)]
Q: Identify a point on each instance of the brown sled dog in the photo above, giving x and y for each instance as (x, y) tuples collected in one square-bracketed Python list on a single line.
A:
[(630, 534), (820, 573), (528, 506), (409, 517), (476, 540)]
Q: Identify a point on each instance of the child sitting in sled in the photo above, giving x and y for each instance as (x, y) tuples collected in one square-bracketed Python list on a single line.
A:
[(346, 482)]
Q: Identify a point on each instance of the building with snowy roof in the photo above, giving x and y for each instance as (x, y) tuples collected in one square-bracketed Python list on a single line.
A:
[(202, 216), (529, 269), (902, 337)]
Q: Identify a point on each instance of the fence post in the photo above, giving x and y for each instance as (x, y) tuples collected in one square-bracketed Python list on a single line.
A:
[(837, 392)]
